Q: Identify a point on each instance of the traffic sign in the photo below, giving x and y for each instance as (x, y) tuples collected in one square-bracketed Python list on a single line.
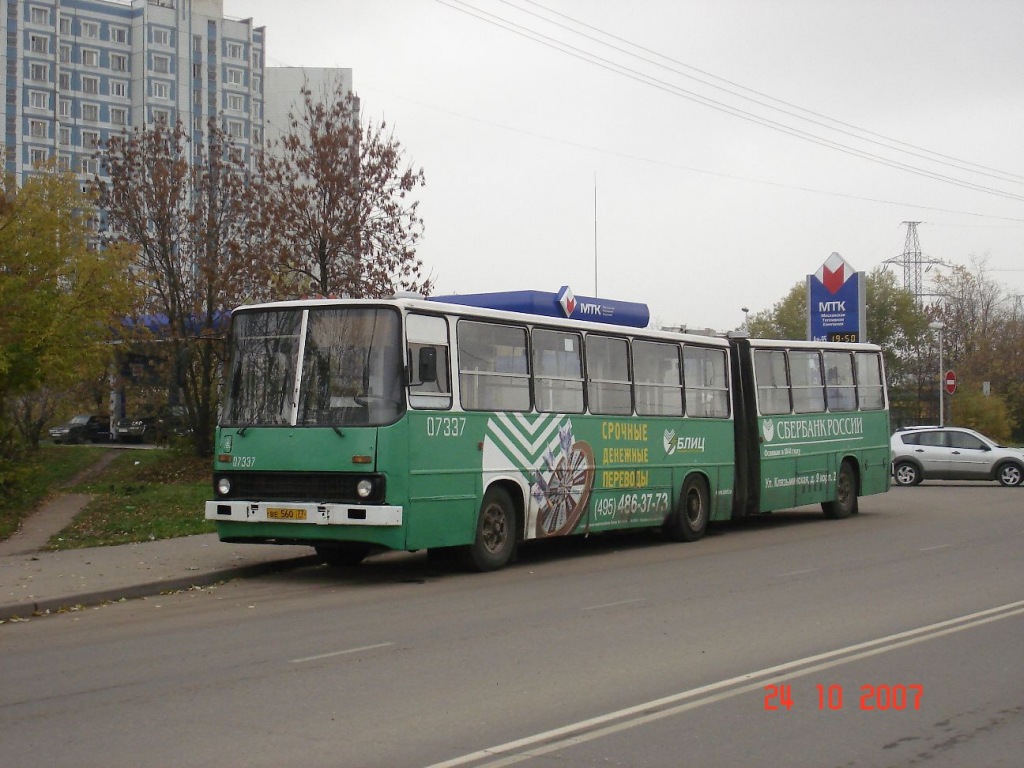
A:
[(949, 382)]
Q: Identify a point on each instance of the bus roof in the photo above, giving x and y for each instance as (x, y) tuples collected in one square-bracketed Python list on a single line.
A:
[(564, 304), (804, 344), (437, 307)]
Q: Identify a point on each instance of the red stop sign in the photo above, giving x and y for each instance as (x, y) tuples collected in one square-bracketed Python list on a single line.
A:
[(949, 382)]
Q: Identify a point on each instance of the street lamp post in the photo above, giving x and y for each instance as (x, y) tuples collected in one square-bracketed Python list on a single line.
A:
[(746, 319), (937, 326)]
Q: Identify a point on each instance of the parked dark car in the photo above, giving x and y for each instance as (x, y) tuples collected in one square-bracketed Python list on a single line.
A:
[(136, 429), (170, 421), (89, 427), (174, 421)]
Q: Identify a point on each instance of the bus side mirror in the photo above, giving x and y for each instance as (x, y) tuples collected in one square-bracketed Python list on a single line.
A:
[(428, 365)]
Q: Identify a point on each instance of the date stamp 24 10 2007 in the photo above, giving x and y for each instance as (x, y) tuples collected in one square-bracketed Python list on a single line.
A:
[(830, 698)]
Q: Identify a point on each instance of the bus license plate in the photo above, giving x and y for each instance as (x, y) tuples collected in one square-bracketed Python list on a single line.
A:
[(285, 513)]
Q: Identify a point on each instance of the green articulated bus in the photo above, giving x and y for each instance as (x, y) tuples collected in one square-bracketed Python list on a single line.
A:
[(355, 426)]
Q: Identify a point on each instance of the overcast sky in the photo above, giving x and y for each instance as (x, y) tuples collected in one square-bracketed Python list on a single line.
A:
[(667, 108)]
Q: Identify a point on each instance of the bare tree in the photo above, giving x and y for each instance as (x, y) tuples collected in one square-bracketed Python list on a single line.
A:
[(982, 337), (338, 203), (187, 209)]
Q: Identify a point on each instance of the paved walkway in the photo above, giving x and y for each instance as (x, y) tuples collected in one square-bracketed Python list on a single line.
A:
[(54, 515), (34, 582)]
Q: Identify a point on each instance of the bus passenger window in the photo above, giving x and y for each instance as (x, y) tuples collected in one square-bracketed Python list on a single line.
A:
[(808, 383), (608, 389), (842, 394), (656, 379), (869, 381), (707, 393), (493, 370), (557, 371), (772, 381)]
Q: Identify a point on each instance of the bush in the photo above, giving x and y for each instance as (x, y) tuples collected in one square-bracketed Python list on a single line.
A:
[(988, 415)]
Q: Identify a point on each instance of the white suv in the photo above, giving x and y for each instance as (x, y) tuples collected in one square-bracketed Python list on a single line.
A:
[(952, 453)]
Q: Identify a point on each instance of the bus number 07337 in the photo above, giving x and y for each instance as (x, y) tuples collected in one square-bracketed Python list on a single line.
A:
[(445, 426)]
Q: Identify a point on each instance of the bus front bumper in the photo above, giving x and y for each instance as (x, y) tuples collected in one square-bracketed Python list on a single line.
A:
[(301, 513)]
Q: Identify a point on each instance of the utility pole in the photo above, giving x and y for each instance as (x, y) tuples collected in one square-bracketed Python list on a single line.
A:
[(595, 235), (912, 261)]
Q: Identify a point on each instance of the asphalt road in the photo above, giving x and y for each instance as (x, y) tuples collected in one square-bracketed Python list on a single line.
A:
[(892, 638)]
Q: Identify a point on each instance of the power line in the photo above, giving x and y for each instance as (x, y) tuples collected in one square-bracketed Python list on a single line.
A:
[(887, 141), (1012, 222), (671, 88)]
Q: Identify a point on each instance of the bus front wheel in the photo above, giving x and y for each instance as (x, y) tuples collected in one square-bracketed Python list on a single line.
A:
[(690, 519), (495, 538), (845, 503)]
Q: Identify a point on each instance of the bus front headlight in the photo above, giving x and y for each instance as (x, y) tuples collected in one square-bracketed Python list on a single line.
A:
[(223, 486), (364, 488)]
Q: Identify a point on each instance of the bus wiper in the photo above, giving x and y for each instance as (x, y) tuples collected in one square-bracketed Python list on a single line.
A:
[(241, 430), (337, 429)]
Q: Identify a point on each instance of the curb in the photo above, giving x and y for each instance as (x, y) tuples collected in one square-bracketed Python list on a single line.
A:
[(42, 607)]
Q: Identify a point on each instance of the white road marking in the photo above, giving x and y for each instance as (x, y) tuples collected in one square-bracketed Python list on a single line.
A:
[(937, 546), (612, 605), (339, 653), (631, 717), (797, 573)]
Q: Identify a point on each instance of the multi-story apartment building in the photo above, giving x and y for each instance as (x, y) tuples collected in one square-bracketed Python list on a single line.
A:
[(80, 70)]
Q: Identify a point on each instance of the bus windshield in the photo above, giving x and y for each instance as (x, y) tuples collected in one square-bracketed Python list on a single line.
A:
[(349, 374)]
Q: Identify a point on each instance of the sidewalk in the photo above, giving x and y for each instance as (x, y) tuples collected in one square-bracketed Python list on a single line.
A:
[(41, 582), (35, 582)]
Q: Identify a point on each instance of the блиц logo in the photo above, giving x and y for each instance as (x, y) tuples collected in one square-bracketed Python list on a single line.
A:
[(672, 443)]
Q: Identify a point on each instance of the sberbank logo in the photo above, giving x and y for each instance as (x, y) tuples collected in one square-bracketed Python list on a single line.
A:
[(812, 429), (673, 442)]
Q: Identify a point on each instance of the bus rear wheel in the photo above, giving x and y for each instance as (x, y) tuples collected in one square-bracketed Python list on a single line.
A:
[(845, 503), (346, 554), (690, 519), (495, 539)]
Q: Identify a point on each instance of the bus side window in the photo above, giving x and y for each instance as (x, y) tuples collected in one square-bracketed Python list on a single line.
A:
[(772, 381), (870, 385), (840, 389), (808, 383), (608, 387), (427, 362), (557, 371), (493, 370), (657, 385), (429, 384), (707, 393)]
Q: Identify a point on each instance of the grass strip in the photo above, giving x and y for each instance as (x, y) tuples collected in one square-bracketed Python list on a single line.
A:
[(25, 485), (141, 496)]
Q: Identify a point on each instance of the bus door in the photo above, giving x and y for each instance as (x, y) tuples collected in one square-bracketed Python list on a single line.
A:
[(778, 463), (439, 441)]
